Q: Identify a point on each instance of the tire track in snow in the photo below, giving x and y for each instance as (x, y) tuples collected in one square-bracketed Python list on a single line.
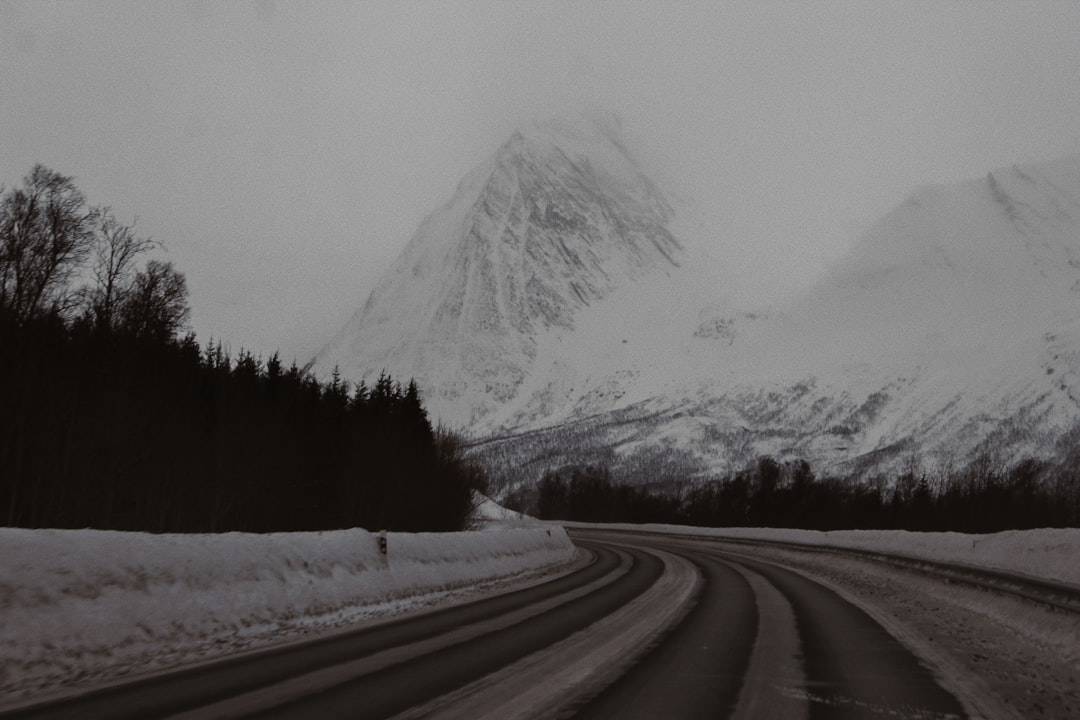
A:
[(435, 674), (203, 685), (557, 680), (815, 654)]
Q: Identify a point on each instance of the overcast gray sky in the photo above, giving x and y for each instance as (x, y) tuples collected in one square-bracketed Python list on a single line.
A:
[(285, 152)]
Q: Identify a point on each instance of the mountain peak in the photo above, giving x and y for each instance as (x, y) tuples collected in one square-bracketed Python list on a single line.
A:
[(559, 218), (582, 140)]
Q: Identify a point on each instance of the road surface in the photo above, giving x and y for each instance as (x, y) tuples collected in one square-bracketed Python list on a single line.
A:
[(650, 627)]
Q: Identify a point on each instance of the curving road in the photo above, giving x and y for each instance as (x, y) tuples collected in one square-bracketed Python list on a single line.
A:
[(764, 641), (648, 627)]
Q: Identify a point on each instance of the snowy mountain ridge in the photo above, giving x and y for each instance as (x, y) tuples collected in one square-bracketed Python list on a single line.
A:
[(555, 221), (550, 310)]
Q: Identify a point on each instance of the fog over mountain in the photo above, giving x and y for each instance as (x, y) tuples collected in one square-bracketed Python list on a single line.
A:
[(557, 294), (555, 222), (734, 246), (284, 153)]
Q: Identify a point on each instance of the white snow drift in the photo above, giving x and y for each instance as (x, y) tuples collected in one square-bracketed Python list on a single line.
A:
[(80, 605), (1046, 553)]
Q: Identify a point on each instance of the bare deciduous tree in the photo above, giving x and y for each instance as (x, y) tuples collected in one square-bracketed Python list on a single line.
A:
[(46, 231), (156, 304), (115, 251)]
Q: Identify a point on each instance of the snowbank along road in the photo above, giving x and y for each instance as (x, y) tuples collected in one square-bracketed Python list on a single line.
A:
[(650, 625)]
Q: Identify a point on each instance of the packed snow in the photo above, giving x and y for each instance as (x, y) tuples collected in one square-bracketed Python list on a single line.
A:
[(1047, 553), (85, 605)]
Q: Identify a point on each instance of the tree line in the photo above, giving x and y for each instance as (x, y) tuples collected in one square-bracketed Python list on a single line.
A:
[(111, 417), (983, 497)]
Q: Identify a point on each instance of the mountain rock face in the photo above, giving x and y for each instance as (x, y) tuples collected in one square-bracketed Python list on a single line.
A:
[(550, 310), (552, 224)]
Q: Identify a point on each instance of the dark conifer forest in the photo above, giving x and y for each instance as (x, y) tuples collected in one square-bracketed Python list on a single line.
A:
[(980, 498), (111, 417)]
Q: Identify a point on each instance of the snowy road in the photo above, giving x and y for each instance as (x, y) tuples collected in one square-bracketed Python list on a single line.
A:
[(764, 641), (660, 627)]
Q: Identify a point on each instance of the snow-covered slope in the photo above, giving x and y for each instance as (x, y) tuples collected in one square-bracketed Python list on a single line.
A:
[(557, 220), (953, 266), (1047, 553), (951, 328), (490, 514), (550, 310)]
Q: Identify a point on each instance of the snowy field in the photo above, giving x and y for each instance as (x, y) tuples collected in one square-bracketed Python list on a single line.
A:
[(79, 606), (1048, 554)]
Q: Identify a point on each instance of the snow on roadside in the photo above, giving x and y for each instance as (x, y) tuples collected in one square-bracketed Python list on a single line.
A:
[(488, 513), (1048, 553), (78, 605)]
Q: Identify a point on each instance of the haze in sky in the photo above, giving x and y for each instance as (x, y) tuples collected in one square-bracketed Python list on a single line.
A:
[(284, 153)]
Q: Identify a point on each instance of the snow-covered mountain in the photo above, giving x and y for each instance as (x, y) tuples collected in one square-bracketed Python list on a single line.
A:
[(550, 309), (952, 328), (558, 219)]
